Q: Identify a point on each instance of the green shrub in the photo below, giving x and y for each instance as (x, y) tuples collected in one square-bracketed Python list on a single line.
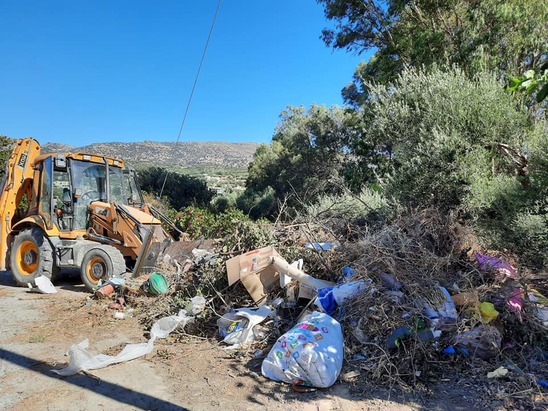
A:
[(196, 222), (530, 238), (257, 203), (429, 122), (237, 231)]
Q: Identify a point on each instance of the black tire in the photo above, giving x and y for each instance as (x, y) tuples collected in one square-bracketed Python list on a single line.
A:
[(101, 263), (56, 272), (31, 256)]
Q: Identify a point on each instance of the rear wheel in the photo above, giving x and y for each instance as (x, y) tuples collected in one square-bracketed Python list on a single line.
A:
[(31, 256), (101, 263)]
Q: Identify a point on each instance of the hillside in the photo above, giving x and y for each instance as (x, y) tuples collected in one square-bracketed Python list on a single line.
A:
[(169, 155)]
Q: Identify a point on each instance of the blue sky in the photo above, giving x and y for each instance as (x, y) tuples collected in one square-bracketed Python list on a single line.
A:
[(80, 72)]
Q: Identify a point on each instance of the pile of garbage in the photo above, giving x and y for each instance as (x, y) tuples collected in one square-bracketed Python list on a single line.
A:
[(401, 306)]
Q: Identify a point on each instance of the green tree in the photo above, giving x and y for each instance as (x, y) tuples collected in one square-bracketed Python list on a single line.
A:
[(307, 157), (501, 35), (532, 82), (181, 190), (460, 144), (6, 147), (257, 203), (433, 123)]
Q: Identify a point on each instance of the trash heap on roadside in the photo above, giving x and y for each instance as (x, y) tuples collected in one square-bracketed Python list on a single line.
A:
[(404, 305)]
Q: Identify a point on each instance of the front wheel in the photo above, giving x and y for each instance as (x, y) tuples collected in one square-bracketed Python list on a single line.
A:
[(101, 263), (31, 256)]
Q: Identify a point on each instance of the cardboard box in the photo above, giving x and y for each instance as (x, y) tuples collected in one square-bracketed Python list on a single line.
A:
[(306, 292), (254, 269)]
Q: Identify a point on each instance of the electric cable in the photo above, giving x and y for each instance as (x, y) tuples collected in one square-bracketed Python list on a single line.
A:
[(193, 88)]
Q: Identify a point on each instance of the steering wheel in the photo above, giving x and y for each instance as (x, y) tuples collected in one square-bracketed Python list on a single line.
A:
[(91, 196)]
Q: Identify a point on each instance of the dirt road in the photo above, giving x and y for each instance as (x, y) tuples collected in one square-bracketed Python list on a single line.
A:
[(37, 330)]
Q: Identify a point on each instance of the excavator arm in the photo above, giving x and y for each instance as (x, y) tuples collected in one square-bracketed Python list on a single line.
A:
[(16, 186)]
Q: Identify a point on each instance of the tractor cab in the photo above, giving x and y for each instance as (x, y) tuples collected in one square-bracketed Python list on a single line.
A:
[(70, 183)]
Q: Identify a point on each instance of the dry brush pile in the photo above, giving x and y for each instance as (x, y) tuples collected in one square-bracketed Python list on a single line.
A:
[(391, 338)]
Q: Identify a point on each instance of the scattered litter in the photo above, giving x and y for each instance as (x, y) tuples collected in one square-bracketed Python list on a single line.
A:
[(464, 299), (347, 274), (82, 360), (284, 267), (201, 254), (330, 298), (306, 293), (119, 315), (515, 303), (254, 269), (237, 327), (449, 350), (322, 246), (44, 285), (104, 291), (536, 297), (351, 375), (259, 271), (488, 312), (284, 278), (397, 336), (196, 305), (542, 315), (499, 372), (312, 352), (496, 264), (446, 309), (482, 341), (302, 387), (156, 284), (114, 306), (117, 281)]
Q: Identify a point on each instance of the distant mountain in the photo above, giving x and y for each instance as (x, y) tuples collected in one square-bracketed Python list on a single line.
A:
[(183, 154)]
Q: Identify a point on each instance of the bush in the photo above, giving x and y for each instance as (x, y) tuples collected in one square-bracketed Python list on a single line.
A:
[(429, 122), (196, 222), (181, 190), (257, 203), (238, 231), (455, 143), (530, 238)]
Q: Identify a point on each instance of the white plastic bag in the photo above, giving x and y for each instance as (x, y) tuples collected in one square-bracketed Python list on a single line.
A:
[(311, 352), (196, 305), (45, 285), (82, 360), (237, 327)]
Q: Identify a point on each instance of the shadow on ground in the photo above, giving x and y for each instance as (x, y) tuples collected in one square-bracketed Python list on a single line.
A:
[(67, 280), (113, 391)]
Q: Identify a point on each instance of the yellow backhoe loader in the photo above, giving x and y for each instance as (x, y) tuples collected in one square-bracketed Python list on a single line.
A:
[(75, 210)]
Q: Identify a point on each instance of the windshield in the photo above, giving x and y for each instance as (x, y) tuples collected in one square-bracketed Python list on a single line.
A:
[(89, 180), (90, 183)]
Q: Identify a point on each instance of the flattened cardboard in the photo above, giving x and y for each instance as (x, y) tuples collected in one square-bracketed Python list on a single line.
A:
[(255, 271)]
